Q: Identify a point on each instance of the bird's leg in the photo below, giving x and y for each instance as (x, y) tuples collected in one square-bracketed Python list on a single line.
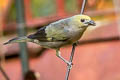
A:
[(58, 54)]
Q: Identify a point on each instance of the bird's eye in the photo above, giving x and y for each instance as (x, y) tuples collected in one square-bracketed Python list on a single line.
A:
[(82, 20)]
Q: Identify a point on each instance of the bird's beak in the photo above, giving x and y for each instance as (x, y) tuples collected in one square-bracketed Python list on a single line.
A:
[(91, 22)]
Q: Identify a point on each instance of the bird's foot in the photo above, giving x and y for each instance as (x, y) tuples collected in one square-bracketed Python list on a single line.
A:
[(69, 64), (76, 43)]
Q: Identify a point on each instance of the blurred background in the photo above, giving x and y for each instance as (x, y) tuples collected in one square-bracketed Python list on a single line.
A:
[(96, 57)]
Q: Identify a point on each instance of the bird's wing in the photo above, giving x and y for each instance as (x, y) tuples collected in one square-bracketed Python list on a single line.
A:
[(39, 35), (53, 32)]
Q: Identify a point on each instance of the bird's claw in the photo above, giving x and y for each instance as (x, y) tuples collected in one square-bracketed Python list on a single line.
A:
[(76, 43), (69, 64)]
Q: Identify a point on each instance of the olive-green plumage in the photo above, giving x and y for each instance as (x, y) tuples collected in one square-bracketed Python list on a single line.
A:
[(59, 33)]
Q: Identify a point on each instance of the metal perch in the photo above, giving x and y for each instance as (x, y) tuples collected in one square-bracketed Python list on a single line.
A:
[(71, 58), (74, 45)]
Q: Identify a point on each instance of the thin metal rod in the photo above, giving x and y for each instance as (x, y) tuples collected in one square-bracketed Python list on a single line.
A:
[(74, 45), (83, 6), (22, 32), (3, 72), (70, 60)]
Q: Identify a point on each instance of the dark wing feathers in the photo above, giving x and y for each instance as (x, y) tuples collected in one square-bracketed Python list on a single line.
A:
[(39, 35)]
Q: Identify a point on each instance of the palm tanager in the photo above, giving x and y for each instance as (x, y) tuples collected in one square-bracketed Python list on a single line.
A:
[(58, 34)]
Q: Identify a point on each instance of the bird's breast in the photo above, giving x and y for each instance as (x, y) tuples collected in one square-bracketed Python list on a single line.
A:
[(76, 35)]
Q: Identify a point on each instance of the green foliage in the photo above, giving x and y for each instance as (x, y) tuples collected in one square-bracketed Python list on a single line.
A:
[(48, 7), (71, 6), (12, 12), (43, 7)]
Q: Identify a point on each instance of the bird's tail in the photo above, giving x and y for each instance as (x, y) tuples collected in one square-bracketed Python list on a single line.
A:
[(19, 39)]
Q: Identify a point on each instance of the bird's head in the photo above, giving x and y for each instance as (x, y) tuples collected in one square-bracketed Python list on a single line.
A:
[(83, 20)]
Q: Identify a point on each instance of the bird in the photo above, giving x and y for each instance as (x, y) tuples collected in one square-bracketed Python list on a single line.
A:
[(58, 34)]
